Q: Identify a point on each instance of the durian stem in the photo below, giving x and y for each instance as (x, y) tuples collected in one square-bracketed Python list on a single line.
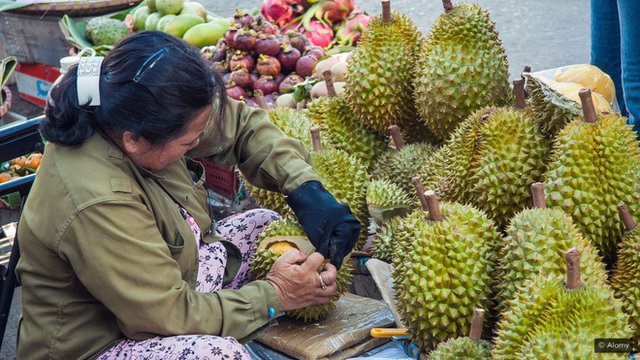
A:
[(626, 217), (315, 139), (572, 259), (476, 324), (434, 208), (526, 70), (328, 79), (262, 102), (537, 193), (386, 11), (448, 6), (588, 109), (417, 183), (518, 89), (398, 141)]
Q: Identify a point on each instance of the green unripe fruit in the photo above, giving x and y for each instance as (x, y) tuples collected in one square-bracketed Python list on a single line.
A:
[(151, 4), (179, 25), (169, 6), (195, 8), (151, 22), (164, 21), (204, 34), (140, 17)]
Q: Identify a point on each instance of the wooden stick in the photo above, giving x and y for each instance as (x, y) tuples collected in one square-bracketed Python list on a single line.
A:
[(417, 183), (448, 6), (537, 192), (588, 109), (434, 208), (328, 80), (572, 259), (476, 324), (386, 11), (626, 217), (398, 141), (315, 139)]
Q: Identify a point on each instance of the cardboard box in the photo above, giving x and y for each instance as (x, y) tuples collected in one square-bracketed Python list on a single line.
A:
[(34, 81)]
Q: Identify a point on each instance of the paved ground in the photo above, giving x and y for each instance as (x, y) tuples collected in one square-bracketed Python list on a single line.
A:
[(540, 33)]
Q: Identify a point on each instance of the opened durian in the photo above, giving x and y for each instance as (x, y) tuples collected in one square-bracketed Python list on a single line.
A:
[(554, 317), (467, 347), (593, 167), (277, 238), (462, 68), (588, 76)]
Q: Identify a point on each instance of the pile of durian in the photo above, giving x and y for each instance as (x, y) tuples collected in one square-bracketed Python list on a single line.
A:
[(475, 189)]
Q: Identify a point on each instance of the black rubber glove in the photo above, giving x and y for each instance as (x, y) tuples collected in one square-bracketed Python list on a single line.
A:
[(329, 225)]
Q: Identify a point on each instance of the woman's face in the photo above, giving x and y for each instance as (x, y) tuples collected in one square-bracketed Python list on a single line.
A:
[(143, 154)]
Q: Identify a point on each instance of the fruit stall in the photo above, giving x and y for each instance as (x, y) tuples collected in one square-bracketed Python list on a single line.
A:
[(499, 214)]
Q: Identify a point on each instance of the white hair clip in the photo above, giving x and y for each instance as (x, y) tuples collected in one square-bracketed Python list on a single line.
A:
[(89, 80)]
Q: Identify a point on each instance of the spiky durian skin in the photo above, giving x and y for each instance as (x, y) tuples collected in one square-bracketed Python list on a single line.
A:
[(262, 261), (383, 243), (514, 156), (342, 130), (461, 348), (594, 167), (551, 109), (379, 84), (535, 243), (447, 273), (293, 124), (448, 171), (399, 166), (345, 176), (625, 279), (463, 67), (386, 199), (546, 319)]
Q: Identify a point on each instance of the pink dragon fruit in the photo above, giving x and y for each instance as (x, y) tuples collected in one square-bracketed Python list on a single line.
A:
[(278, 11), (334, 10), (350, 30), (319, 33)]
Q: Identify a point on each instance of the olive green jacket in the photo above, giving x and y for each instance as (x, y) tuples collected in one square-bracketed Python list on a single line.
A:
[(106, 254)]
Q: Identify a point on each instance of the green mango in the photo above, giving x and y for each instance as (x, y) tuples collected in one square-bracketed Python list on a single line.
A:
[(164, 21), (179, 25), (195, 8), (151, 4), (140, 17), (205, 34), (169, 6), (151, 23)]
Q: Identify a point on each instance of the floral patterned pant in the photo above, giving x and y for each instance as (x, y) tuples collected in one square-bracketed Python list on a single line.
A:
[(241, 229)]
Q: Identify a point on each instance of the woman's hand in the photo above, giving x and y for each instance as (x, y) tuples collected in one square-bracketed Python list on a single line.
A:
[(297, 279)]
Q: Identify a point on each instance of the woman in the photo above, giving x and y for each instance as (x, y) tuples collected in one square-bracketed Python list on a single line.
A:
[(120, 259)]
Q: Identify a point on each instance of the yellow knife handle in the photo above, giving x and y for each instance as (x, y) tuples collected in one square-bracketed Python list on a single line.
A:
[(388, 332)]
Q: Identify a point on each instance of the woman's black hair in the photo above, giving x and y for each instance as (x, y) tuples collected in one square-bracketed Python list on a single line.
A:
[(156, 102)]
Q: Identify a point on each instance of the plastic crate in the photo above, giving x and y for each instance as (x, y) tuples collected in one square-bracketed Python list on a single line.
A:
[(221, 179)]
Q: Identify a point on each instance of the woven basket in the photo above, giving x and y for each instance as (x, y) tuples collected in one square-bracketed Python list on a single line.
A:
[(6, 98), (76, 8)]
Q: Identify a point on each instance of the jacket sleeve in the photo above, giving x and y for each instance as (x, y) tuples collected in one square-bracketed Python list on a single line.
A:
[(129, 269), (265, 156)]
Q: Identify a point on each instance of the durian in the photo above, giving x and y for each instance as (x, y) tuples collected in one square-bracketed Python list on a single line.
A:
[(535, 242), (551, 320), (462, 68), (284, 234), (471, 347), (625, 279), (379, 85), (445, 271), (593, 167)]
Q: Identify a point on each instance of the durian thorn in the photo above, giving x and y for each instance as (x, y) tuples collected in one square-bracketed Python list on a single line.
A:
[(572, 259), (328, 80), (315, 139), (537, 193), (396, 135), (518, 89), (262, 102), (588, 109), (448, 6), (417, 183), (476, 324), (386, 11), (434, 208), (626, 217)]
